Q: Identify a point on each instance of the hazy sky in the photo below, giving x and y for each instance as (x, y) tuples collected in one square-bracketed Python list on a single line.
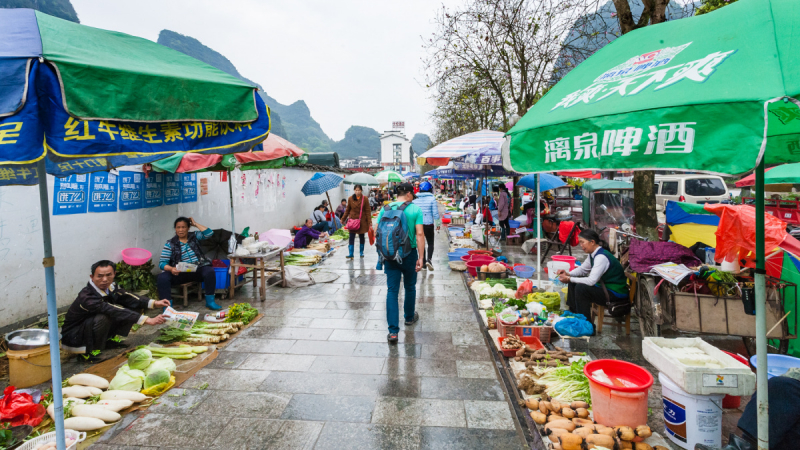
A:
[(354, 62)]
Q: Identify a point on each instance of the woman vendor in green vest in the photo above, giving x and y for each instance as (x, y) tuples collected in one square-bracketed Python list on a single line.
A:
[(600, 272)]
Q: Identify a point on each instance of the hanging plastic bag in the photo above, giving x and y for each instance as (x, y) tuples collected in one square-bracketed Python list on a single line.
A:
[(371, 234), (18, 408)]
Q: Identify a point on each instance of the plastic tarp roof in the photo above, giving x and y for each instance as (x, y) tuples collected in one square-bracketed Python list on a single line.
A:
[(600, 185)]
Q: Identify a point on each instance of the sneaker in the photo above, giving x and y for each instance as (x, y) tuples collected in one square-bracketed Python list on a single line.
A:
[(429, 265), (414, 320), (392, 338)]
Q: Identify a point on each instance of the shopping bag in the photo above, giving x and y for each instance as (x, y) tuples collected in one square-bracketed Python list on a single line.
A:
[(371, 234)]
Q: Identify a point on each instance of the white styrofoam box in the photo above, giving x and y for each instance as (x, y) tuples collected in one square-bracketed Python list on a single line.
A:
[(734, 378)]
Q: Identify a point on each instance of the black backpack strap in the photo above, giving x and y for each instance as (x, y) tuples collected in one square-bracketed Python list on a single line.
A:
[(403, 206)]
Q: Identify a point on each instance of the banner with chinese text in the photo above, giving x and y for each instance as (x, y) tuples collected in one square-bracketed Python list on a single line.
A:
[(103, 192), (70, 195)]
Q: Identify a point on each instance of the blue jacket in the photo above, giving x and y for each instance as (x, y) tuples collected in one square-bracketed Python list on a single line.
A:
[(430, 209)]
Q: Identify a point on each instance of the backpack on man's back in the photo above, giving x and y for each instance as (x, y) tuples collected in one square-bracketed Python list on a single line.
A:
[(391, 235)]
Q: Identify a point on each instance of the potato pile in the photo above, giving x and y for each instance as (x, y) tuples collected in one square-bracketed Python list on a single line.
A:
[(568, 427), (513, 342)]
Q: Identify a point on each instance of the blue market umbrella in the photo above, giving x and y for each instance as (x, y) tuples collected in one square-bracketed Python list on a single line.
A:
[(321, 183), (546, 182)]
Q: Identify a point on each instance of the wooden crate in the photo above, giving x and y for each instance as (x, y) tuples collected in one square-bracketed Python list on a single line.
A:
[(722, 315)]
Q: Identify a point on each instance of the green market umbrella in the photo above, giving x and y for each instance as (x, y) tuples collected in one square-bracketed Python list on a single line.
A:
[(361, 178), (714, 93), (389, 176), (783, 174)]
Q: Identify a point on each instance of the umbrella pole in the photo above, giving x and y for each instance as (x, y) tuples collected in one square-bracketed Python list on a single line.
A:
[(230, 191), (52, 308), (538, 236), (761, 317)]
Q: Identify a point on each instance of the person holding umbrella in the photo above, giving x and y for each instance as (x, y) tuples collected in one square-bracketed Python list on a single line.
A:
[(358, 216)]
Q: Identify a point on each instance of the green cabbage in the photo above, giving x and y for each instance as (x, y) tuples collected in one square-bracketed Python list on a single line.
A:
[(155, 378), (140, 359), (127, 379), (165, 363)]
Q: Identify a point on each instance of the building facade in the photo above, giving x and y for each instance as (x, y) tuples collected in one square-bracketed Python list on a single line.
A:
[(396, 152)]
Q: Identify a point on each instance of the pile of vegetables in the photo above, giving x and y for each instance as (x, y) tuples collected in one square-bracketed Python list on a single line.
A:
[(150, 369), (240, 314), (551, 300), (485, 290), (340, 235), (493, 268), (302, 260), (567, 382), (200, 333)]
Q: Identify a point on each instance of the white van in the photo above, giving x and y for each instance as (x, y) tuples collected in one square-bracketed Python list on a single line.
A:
[(697, 188)]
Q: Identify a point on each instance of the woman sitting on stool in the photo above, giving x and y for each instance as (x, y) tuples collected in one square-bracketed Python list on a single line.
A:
[(599, 280), (185, 247)]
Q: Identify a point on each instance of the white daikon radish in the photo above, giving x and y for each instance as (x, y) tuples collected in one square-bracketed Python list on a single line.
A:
[(98, 412), (86, 379), (124, 395), (83, 423), (76, 391), (93, 390), (75, 401), (115, 405), (68, 404)]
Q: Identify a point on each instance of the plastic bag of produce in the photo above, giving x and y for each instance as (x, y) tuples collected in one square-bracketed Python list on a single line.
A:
[(159, 389), (127, 379), (574, 327)]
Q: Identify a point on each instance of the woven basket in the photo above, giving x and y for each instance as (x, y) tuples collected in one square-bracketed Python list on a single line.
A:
[(460, 266)]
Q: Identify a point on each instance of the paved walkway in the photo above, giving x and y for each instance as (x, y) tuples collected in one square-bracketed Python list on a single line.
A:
[(317, 372)]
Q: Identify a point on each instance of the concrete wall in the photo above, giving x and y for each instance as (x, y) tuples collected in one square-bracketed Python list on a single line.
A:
[(263, 200)]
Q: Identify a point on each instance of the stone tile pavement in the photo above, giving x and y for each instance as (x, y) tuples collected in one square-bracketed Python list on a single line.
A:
[(317, 372)]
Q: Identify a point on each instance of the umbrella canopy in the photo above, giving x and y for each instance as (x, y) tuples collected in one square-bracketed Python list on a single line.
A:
[(786, 173), (546, 182), (216, 246), (64, 100), (441, 154), (679, 95), (580, 174), (321, 183), (410, 175), (277, 237), (361, 178), (389, 176)]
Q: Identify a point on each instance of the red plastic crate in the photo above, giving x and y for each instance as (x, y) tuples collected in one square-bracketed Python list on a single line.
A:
[(543, 333), (531, 342), (504, 330)]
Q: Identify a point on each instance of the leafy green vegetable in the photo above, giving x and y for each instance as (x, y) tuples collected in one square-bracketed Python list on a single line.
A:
[(140, 359), (241, 312), (520, 304), (172, 334), (136, 278), (164, 363), (127, 379), (156, 377)]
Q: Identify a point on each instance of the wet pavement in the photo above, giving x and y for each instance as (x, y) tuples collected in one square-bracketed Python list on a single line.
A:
[(317, 372)]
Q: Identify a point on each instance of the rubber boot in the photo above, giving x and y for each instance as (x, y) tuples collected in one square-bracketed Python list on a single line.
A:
[(351, 248), (734, 443), (361, 249), (211, 304)]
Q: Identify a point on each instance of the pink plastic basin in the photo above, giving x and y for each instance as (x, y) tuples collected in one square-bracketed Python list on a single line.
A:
[(476, 258), (136, 256), (566, 259), (624, 401)]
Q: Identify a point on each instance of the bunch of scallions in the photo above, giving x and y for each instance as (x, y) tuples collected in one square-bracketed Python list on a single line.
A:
[(567, 383)]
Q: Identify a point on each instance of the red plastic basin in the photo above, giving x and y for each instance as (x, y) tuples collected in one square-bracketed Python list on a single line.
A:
[(468, 258), (624, 400), (734, 401), (480, 252), (473, 266)]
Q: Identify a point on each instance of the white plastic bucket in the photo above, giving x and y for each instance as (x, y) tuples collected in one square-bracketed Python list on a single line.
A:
[(691, 419), (554, 266)]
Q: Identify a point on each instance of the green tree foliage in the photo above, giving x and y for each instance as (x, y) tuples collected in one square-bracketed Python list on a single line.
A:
[(712, 5), (58, 8)]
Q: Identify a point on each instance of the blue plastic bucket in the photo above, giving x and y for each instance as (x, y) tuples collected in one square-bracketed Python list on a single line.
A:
[(524, 271), (778, 364), (513, 224)]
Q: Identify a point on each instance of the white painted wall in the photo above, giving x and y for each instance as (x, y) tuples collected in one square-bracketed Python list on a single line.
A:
[(80, 240)]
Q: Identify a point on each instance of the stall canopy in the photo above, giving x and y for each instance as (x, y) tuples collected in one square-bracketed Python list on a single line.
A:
[(76, 99), (785, 173), (588, 174), (441, 154)]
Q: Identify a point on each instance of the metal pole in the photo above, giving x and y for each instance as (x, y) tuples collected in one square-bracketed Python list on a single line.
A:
[(230, 190), (52, 307), (761, 316), (538, 236)]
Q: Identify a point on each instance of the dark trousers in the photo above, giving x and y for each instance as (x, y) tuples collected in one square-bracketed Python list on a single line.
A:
[(784, 414), (95, 331), (321, 226), (166, 280), (505, 228), (581, 296), (394, 272), (429, 235), (353, 238)]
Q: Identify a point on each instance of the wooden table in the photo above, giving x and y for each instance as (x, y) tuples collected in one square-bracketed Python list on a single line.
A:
[(259, 270)]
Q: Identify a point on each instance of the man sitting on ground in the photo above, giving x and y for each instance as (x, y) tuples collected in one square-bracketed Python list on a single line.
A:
[(307, 234), (103, 311)]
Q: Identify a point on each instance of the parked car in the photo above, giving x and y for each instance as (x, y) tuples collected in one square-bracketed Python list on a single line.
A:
[(696, 188)]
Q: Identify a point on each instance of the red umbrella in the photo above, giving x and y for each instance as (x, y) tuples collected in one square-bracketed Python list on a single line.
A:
[(580, 174), (750, 180)]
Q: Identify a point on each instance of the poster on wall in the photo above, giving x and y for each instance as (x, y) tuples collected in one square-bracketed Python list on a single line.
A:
[(172, 188), (204, 186), (130, 190), (154, 190), (189, 185), (70, 195), (102, 192)]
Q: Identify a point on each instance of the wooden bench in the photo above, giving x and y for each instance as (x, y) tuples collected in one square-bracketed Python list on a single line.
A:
[(185, 289)]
